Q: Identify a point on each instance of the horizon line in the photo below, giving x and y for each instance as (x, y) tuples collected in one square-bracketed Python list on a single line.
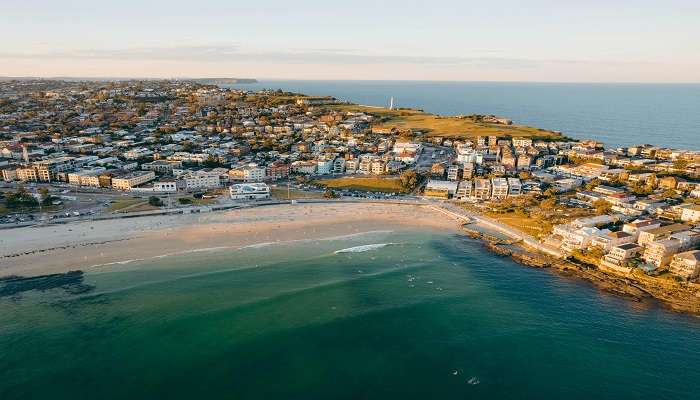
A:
[(259, 80)]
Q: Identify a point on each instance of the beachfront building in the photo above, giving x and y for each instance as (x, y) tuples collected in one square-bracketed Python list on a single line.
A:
[(440, 189), (619, 256), (499, 188), (132, 180), (464, 190), (686, 264), (249, 191), (482, 189)]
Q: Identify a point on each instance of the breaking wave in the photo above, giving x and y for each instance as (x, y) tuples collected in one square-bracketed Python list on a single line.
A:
[(363, 248)]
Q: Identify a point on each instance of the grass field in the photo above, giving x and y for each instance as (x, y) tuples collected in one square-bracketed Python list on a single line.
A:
[(434, 125), (369, 184)]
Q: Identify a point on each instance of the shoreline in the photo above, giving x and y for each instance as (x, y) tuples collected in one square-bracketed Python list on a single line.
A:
[(89, 245), (85, 245), (674, 297)]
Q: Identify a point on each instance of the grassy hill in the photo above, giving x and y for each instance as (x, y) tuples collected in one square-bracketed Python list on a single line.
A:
[(446, 126)]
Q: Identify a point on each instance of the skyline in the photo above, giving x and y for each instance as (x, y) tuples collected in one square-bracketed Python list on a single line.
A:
[(635, 42)]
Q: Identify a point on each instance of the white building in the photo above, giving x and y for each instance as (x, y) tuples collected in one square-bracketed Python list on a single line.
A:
[(202, 179), (515, 188), (499, 188), (249, 191)]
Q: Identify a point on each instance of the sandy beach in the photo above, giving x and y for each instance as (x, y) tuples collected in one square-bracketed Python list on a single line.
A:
[(48, 249)]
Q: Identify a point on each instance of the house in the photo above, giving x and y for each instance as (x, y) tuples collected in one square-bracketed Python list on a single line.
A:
[(686, 264), (249, 191)]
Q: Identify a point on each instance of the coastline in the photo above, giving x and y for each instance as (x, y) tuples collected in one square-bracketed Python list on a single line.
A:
[(673, 296), (89, 245)]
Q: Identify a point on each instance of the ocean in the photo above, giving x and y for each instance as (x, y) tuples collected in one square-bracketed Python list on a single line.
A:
[(616, 114), (390, 315)]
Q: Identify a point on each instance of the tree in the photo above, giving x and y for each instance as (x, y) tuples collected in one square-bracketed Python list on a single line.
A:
[(409, 180), (592, 184), (602, 207), (155, 201), (549, 203), (330, 194)]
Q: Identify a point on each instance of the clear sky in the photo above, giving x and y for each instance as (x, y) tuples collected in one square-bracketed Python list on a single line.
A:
[(495, 40)]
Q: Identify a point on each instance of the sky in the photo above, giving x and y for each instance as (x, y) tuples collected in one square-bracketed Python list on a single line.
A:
[(496, 40)]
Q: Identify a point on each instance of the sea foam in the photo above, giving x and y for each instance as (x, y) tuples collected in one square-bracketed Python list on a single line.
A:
[(363, 248)]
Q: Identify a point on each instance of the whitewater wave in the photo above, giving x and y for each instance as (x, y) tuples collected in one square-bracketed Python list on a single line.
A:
[(363, 248)]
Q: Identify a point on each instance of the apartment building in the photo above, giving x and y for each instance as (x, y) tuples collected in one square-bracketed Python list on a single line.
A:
[(618, 257), (482, 189), (515, 188), (464, 190), (653, 235), (686, 264), (499, 188), (202, 179), (131, 180), (453, 172)]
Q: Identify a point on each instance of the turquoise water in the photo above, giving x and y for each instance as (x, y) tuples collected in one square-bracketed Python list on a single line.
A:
[(617, 114), (426, 316)]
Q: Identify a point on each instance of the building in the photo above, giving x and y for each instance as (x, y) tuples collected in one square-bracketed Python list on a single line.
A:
[(276, 171), (464, 190), (515, 188), (499, 188), (453, 172), (162, 166), (165, 186), (522, 142), (618, 258), (686, 264), (652, 235), (248, 173), (202, 179), (249, 191), (325, 167), (640, 225), (440, 189), (691, 213), (482, 189), (131, 180)]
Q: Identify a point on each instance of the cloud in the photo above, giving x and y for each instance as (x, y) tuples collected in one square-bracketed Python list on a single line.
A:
[(233, 53)]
